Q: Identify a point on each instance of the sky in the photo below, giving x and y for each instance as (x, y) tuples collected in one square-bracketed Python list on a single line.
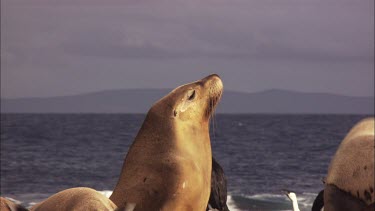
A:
[(55, 48)]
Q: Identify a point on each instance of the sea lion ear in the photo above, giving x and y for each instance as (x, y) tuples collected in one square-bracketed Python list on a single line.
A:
[(324, 180)]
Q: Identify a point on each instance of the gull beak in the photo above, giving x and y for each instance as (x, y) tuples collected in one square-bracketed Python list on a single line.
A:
[(286, 192)]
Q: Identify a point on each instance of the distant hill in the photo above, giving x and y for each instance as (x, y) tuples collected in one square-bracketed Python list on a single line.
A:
[(140, 100)]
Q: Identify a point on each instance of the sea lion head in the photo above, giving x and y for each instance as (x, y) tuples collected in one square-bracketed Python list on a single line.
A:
[(193, 101)]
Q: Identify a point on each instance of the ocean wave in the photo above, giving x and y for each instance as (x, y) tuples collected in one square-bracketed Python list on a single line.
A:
[(231, 204), (270, 201), (13, 200), (241, 202)]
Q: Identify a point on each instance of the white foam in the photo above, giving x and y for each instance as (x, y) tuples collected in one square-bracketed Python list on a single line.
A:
[(231, 205), (305, 200), (13, 200), (264, 196), (29, 205)]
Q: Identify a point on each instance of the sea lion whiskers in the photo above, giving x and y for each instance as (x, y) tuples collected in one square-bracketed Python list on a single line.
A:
[(215, 99), (212, 116), (211, 108)]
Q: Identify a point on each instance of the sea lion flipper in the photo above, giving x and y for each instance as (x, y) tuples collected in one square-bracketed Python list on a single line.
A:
[(218, 196), (318, 202)]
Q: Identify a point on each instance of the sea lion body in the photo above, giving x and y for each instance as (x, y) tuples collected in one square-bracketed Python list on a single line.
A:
[(168, 166), (350, 179), (76, 199)]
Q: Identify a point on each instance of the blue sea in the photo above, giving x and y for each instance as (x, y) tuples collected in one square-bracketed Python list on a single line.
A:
[(261, 154)]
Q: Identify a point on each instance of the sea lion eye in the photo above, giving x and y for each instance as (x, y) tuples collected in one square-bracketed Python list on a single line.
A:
[(191, 95)]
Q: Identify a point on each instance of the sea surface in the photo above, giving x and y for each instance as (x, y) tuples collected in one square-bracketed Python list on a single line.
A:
[(42, 154)]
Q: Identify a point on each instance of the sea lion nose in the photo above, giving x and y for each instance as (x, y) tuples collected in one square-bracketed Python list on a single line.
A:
[(213, 78), (210, 77)]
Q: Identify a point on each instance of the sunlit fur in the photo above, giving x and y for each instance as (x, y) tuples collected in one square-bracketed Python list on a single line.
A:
[(351, 172), (77, 199), (168, 166), (352, 167)]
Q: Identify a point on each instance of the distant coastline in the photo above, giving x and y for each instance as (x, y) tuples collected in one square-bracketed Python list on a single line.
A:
[(140, 100)]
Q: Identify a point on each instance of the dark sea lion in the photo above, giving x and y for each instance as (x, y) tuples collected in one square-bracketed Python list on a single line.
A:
[(8, 205), (218, 195), (168, 166), (350, 179), (76, 199)]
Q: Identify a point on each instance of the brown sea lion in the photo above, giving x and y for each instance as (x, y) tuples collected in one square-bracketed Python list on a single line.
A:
[(168, 166), (350, 179), (8, 205), (76, 199)]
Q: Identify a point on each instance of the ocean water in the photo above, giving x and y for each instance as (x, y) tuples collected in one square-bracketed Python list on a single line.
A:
[(42, 154)]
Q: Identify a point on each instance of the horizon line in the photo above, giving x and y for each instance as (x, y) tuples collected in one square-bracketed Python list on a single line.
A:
[(133, 89)]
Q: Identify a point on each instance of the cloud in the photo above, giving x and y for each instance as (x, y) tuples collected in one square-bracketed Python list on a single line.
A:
[(55, 39), (198, 29)]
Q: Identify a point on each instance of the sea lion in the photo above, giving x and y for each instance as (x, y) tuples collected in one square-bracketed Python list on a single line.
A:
[(168, 166), (8, 205), (77, 199), (218, 195), (350, 179)]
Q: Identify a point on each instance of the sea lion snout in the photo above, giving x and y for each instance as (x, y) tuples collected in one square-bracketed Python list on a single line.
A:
[(214, 85), (211, 77), (213, 81)]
